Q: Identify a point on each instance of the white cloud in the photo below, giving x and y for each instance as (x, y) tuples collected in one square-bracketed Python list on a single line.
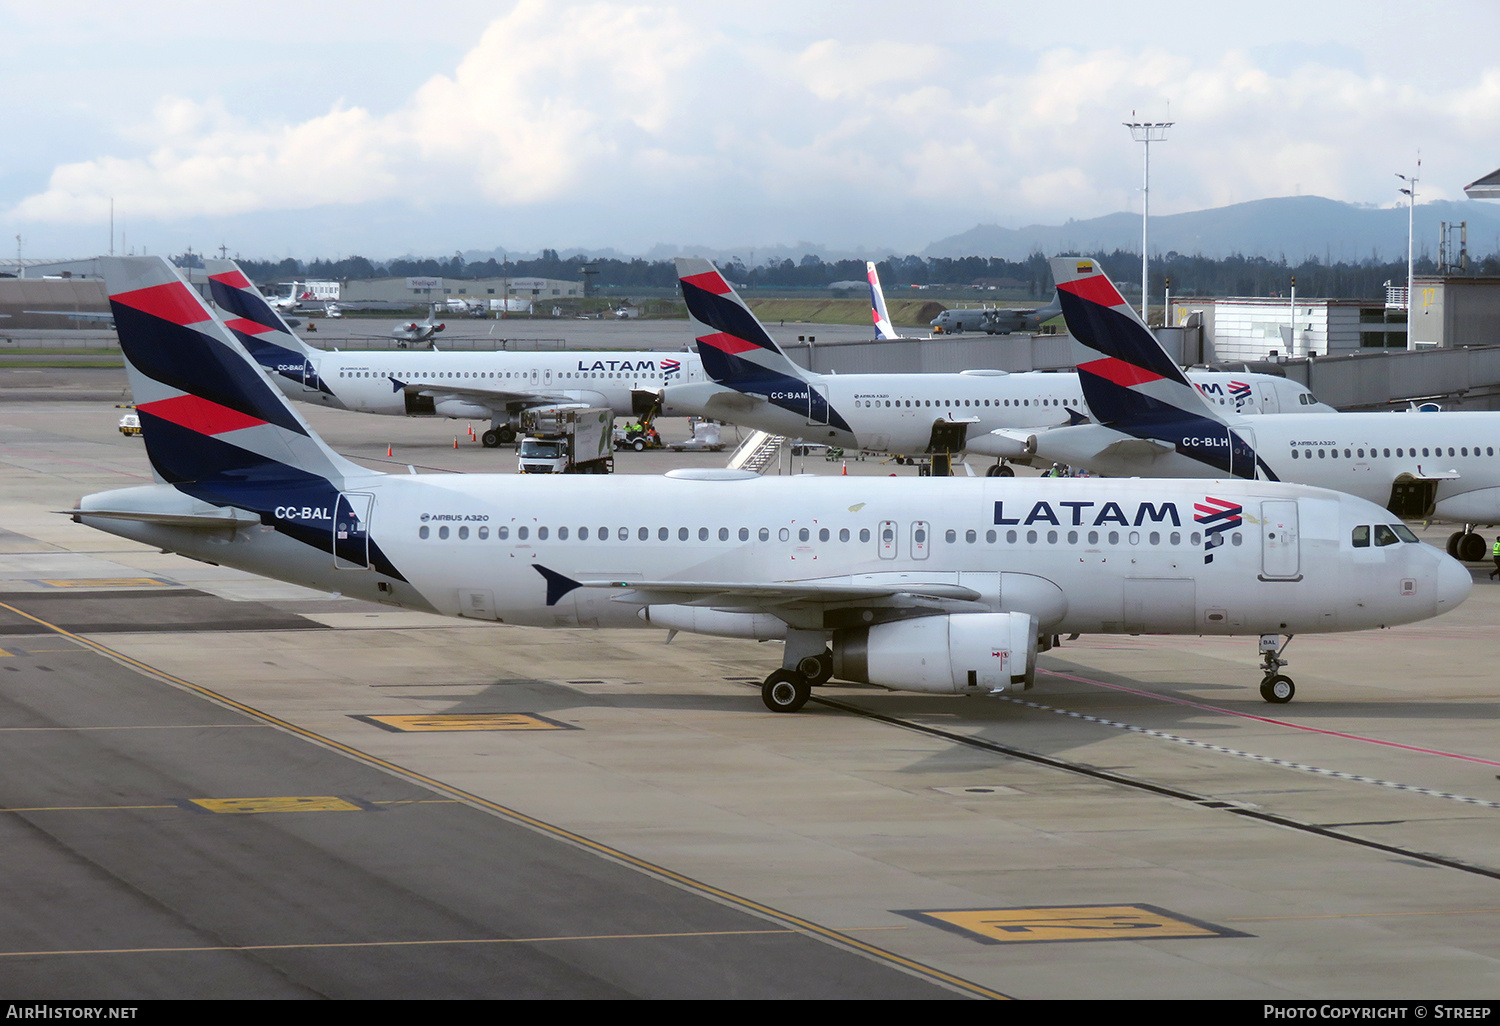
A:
[(573, 118)]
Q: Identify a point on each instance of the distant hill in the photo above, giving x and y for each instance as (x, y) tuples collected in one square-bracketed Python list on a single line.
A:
[(1297, 227)]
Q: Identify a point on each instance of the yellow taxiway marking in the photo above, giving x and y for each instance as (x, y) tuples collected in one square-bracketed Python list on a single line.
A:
[(109, 582), (462, 721), (796, 923), (302, 803), (131, 808), (1070, 923)]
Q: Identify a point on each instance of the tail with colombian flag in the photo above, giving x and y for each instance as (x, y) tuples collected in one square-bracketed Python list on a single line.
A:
[(263, 332), (218, 432), (737, 351), (1133, 386)]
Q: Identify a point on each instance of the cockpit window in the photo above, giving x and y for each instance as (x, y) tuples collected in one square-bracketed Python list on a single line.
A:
[(1403, 532), (1362, 536), (1385, 535)]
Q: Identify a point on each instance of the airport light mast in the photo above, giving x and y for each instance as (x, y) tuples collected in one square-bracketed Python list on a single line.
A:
[(1411, 210), (1146, 132)]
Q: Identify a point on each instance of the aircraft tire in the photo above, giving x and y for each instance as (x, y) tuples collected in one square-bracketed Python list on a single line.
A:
[(490, 439), (1471, 547), (1277, 690), (507, 434), (1453, 540), (785, 691)]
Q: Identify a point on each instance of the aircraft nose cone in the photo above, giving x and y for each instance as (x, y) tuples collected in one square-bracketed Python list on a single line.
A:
[(1454, 583)]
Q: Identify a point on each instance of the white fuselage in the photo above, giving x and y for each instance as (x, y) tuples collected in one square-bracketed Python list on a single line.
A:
[(897, 412), (1364, 454), (477, 385), (1080, 555)]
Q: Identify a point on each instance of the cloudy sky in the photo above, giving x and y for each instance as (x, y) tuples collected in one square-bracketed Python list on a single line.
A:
[(325, 129)]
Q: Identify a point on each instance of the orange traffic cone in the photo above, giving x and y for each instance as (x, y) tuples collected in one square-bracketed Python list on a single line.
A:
[(455, 441), (846, 468), (388, 450)]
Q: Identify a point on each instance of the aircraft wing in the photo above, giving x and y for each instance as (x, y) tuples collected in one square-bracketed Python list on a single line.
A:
[(482, 396), (785, 599), (768, 597)]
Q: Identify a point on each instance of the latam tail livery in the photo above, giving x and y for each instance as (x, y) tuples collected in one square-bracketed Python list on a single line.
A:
[(1443, 466), (493, 386), (945, 588), (754, 384)]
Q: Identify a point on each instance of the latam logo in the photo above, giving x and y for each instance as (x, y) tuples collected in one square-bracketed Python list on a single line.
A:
[(1216, 516), (1240, 390), (667, 366)]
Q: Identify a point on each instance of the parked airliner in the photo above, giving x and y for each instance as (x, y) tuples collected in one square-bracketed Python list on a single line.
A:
[(944, 589), (754, 384), (493, 386), (1442, 466)]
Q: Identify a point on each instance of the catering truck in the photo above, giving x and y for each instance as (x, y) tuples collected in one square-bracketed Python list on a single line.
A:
[(567, 440)]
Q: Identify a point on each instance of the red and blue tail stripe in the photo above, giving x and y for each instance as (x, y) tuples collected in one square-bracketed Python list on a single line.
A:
[(214, 426), (1133, 386)]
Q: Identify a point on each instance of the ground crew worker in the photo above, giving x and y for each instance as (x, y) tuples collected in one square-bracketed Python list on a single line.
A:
[(1496, 554)]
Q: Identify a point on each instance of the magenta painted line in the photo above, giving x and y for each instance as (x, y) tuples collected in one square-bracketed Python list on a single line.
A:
[(1267, 719)]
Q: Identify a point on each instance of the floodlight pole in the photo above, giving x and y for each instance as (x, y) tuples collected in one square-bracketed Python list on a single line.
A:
[(1411, 211), (1146, 132)]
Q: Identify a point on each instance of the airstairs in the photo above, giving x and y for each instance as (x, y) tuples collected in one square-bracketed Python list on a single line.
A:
[(758, 451)]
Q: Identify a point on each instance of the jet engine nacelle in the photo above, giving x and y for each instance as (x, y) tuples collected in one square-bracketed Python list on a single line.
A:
[(952, 654), (461, 410)]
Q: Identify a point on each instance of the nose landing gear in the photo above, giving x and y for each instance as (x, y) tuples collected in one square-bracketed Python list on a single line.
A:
[(1274, 687)]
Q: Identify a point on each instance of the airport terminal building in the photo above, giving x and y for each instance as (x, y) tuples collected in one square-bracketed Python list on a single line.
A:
[(419, 291)]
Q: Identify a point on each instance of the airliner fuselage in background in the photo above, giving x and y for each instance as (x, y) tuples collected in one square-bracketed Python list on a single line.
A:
[(495, 386), (755, 385), (1443, 466), (943, 589)]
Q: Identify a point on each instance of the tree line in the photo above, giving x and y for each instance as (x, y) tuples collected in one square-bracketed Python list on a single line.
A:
[(1189, 275)]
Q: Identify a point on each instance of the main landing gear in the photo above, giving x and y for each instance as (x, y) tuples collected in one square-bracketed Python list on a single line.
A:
[(496, 437), (1000, 470), (1274, 687), (786, 690), (1467, 546)]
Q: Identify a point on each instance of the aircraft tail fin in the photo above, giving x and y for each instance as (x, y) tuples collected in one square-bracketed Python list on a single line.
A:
[(1128, 380), (1051, 310), (258, 326), (883, 327), (736, 350), (1133, 386), (213, 424)]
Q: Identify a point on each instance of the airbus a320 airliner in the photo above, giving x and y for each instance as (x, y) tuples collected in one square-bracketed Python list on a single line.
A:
[(1151, 422), (945, 588), (755, 385), (493, 386)]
